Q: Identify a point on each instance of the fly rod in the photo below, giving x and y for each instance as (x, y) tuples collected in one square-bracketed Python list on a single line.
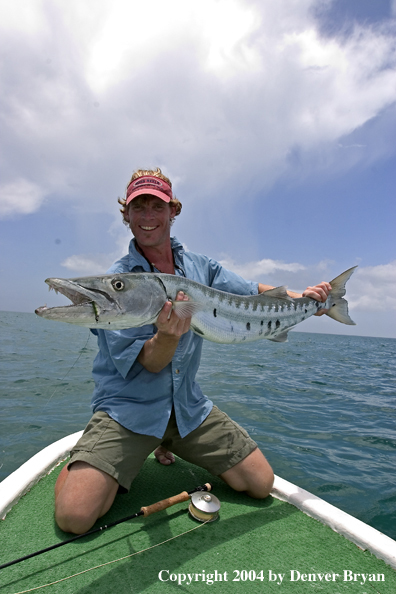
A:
[(144, 511)]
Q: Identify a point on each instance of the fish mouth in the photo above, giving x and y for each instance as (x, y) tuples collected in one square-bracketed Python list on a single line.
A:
[(91, 300), (75, 293)]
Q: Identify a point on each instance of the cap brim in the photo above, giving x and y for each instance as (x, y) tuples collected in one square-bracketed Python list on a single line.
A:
[(143, 191)]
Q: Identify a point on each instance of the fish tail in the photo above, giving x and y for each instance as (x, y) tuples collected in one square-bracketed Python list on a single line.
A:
[(339, 306)]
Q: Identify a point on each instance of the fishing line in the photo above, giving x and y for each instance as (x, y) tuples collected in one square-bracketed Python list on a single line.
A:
[(40, 410), (110, 562), (67, 373)]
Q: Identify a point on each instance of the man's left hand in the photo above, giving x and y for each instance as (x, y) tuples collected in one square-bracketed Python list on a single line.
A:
[(319, 292)]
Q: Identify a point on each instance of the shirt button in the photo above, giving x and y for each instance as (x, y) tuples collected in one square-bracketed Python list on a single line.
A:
[(177, 370)]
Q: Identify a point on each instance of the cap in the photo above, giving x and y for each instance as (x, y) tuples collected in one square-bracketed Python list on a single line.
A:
[(149, 184)]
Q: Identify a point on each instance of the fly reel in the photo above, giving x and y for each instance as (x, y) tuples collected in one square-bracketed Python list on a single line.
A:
[(204, 507)]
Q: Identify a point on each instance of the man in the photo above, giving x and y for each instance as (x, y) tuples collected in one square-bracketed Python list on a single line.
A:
[(145, 396)]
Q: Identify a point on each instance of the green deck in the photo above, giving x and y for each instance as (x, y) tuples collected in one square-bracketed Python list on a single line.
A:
[(250, 536)]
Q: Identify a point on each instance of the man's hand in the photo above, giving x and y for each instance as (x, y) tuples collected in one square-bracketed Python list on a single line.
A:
[(319, 292), (169, 324), (157, 352)]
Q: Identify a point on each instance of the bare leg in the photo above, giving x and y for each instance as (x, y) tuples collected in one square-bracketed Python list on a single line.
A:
[(253, 475), (82, 495), (164, 456)]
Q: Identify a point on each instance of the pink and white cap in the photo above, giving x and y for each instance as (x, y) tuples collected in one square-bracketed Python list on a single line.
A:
[(149, 184)]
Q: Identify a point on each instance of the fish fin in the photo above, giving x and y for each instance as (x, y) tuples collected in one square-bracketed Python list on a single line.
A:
[(186, 309), (338, 284), (339, 312), (282, 337), (278, 293), (339, 306)]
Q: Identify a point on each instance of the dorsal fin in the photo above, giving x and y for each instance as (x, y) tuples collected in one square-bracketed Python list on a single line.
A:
[(278, 293)]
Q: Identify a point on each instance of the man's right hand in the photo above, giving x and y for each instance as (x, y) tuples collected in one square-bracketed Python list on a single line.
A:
[(168, 323), (157, 352)]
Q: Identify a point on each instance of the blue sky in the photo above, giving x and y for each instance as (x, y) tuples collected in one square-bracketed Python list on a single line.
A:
[(275, 121)]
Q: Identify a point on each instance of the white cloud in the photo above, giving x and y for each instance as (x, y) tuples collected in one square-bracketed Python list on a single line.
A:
[(20, 197), (87, 264), (262, 268), (214, 89), (374, 288)]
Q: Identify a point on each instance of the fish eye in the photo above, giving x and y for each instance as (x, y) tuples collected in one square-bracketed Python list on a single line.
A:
[(118, 284)]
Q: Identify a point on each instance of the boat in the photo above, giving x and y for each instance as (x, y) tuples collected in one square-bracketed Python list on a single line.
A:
[(291, 542)]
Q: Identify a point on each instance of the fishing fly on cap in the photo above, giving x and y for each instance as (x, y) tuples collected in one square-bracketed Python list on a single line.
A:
[(148, 184)]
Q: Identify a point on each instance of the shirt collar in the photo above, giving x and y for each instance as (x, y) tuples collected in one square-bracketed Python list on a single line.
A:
[(136, 259)]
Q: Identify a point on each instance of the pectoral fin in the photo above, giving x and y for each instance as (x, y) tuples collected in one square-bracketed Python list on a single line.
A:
[(186, 309)]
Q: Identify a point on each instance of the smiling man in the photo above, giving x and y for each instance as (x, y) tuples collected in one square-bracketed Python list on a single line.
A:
[(146, 397)]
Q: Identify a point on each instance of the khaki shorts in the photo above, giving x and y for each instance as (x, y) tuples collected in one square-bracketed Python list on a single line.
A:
[(216, 445)]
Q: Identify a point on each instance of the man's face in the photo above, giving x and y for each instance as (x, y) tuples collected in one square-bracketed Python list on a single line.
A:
[(149, 220)]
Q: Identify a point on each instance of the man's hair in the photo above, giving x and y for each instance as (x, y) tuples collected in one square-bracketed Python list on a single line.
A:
[(154, 173)]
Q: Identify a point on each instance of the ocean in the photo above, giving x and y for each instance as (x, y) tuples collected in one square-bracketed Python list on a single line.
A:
[(321, 407)]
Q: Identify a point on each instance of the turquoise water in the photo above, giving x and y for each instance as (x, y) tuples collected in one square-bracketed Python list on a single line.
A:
[(321, 407)]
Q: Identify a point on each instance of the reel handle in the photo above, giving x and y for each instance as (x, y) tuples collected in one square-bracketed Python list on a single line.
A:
[(165, 503)]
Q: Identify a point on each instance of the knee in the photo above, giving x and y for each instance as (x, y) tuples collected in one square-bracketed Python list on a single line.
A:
[(253, 475), (73, 521), (82, 495), (262, 486)]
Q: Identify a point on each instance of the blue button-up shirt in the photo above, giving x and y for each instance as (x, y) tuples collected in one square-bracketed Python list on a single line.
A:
[(138, 399)]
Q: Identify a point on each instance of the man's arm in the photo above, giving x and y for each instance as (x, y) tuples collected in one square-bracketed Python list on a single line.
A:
[(157, 352), (319, 292)]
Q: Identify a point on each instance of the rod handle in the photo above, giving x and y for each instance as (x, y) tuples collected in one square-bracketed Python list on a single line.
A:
[(165, 503)]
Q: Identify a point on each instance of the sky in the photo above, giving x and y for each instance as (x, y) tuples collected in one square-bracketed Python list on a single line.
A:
[(275, 121)]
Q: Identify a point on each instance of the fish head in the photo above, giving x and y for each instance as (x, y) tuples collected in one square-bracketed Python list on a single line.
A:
[(110, 302)]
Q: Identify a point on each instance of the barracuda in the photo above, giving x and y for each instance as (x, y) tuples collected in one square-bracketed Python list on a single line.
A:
[(131, 300)]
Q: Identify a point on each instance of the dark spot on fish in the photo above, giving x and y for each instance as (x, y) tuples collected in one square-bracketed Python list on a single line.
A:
[(269, 325), (277, 323), (248, 326), (215, 312), (306, 311), (262, 323)]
